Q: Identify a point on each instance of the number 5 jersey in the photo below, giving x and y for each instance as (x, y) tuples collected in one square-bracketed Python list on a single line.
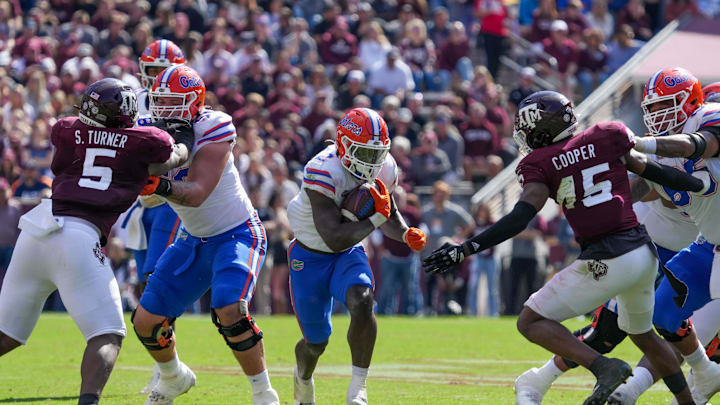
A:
[(99, 172)]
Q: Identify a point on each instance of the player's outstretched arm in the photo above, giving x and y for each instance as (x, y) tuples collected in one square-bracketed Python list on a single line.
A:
[(179, 155), (396, 228), (703, 143), (698, 182), (203, 176), (532, 200), (336, 234)]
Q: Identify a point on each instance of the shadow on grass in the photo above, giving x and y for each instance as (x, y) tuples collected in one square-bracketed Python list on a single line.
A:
[(37, 399)]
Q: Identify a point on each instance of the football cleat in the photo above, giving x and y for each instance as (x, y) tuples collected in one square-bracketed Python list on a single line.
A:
[(614, 373), (153, 381), (304, 394), (530, 388), (357, 394), (169, 388), (704, 385), (269, 397)]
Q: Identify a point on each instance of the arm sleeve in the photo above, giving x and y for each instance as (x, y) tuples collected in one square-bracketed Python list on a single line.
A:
[(711, 130), (670, 177)]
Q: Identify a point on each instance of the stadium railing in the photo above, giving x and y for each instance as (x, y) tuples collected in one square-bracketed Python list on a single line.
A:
[(615, 99)]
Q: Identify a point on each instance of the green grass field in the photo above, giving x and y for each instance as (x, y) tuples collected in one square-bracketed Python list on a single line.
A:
[(417, 361)]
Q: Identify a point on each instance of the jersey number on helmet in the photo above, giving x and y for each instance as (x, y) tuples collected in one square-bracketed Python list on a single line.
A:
[(91, 170), (594, 193)]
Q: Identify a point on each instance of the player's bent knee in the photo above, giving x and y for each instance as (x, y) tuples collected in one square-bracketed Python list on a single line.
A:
[(232, 330), (161, 336), (677, 336), (359, 300), (316, 349), (526, 319)]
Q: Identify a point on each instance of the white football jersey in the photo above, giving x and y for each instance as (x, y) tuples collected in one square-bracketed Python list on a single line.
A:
[(228, 205), (702, 209), (325, 174), (668, 227)]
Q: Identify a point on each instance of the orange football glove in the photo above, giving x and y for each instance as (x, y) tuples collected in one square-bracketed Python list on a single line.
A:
[(382, 199), (415, 239), (152, 184)]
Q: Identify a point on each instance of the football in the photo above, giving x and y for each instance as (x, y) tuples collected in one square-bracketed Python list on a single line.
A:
[(358, 204)]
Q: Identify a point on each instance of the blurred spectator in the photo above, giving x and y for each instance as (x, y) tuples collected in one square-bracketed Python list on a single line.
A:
[(292, 147), (373, 43), (194, 14), (526, 14), (493, 29), (346, 94), (114, 35), (391, 77), (623, 48), (164, 20), (103, 15), (454, 56), (497, 112), (280, 186), (403, 125), (31, 187), (524, 264), (481, 141), (429, 164), (180, 31), (38, 96), (439, 27), (301, 46), (483, 264), (142, 37), (319, 112), (542, 20), (564, 50), (575, 19), (482, 82), (250, 51), (230, 96), (419, 53), (415, 102), (593, 61), (398, 267), (599, 17), (677, 8), (330, 12), (449, 140), (635, 16), (254, 78), (338, 45), (39, 149), (78, 30), (400, 151), (121, 267), (9, 216), (280, 236), (319, 83), (444, 219)]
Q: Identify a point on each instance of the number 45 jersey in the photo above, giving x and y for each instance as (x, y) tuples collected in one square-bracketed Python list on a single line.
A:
[(99, 172), (587, 178)]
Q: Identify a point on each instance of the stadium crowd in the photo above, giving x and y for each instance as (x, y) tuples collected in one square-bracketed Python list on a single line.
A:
[(287, 70)]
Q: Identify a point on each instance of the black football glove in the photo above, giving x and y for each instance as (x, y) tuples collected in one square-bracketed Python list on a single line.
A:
[(445, 258)]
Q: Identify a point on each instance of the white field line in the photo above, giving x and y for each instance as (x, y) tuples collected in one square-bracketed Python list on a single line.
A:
[(409, 373)]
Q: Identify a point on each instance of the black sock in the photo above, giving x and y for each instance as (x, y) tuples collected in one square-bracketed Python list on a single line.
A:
[(88, 399)]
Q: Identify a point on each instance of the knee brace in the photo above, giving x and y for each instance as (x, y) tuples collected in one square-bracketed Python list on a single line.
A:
[(677, 336), (602, 335), (247, 323), (163, 334)]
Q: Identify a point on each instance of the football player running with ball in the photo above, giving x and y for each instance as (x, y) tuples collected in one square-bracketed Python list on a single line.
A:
[(326, 258), (222, 245), (100, 164), (586, 174)]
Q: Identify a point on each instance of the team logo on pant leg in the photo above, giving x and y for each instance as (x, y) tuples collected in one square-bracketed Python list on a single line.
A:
[(97, 251), (597, 268), (297, 265)]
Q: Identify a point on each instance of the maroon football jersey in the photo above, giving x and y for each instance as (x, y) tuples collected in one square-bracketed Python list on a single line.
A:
[(99, 172), (587, 179)]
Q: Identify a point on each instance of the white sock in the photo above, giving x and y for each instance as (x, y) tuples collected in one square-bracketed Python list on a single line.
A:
[(641, 380), (260, 382), (550, 371), (169, 368), (698, 360), (359, 374)]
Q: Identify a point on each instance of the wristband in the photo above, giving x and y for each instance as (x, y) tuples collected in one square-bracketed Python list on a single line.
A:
[(164, 188), (646, 144), (377, 219)]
